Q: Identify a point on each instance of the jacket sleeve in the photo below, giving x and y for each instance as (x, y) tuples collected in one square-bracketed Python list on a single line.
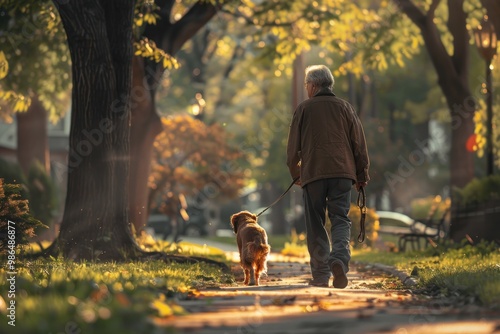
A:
[(293, 146), (359, 150)]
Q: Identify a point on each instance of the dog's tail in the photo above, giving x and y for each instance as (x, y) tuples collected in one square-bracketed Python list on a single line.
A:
[(259, 247), (257, 252)]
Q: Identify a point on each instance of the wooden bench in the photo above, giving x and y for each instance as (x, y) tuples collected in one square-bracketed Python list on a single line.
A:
[(431, 232)]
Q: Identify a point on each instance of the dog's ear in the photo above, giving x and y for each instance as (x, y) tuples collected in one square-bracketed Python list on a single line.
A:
[(253, 216), (234, 222)]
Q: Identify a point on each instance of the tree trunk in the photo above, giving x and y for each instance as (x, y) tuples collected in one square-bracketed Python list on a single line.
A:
[(32, 141), (146, 124), (461, 160), (95, 223), (452, 72)]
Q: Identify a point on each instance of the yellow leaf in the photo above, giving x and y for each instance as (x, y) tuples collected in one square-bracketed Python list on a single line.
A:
[(164, 310), (4, 65)]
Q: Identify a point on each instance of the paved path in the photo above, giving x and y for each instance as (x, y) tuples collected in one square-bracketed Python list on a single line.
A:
[(285, 304)]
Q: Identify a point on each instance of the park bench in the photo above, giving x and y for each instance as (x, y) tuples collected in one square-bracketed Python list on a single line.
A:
[(431, 231)]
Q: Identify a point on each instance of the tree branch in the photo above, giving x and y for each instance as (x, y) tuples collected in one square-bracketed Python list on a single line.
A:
[(412, 11), (432, 9), (458, 28), (440, 58), (197, 16)]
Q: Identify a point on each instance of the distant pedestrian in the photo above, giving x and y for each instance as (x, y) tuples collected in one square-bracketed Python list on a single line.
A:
[(327, 150)]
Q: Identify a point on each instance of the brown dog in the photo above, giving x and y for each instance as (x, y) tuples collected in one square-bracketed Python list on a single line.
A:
[(252, 244)]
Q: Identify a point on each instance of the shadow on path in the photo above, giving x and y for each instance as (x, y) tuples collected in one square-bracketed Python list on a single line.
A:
[(373, 302)]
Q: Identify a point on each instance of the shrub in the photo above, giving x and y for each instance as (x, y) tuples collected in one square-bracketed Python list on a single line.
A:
[(479, 191), (15, 209), (371, 226), (37, 187), (421, 207), (42, 194)]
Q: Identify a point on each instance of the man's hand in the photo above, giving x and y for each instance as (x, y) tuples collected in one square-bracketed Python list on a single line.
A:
[(297, 182), (360, 184)]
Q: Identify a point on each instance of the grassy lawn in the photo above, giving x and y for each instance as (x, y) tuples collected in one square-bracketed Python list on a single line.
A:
[(58, 296), (468, 272)]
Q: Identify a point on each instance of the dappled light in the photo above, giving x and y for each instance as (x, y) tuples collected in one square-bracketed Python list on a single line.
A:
[(132, 131)]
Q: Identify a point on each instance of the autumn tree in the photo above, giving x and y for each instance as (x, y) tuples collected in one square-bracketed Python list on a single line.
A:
[(174, 25), (193, 164)]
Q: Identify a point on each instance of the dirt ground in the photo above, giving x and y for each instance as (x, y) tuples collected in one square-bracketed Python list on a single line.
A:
[(375, 301)]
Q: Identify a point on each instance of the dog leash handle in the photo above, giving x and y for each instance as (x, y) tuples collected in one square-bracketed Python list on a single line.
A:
[(362, 207)]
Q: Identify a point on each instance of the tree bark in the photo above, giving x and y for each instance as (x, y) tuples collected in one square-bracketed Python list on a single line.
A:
[(32, 141), (95, 224), (146, 124)]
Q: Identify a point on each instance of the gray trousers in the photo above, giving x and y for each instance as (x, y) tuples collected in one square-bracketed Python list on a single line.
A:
[(335, 195)]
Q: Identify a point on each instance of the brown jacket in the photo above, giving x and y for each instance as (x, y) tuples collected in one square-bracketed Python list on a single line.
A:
[(327, 138)]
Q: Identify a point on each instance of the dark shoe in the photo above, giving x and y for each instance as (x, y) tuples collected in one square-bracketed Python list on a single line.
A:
[(339, 277), (320, 284)]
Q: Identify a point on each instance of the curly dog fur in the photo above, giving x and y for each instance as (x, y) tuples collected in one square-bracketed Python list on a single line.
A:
[(252, 245)]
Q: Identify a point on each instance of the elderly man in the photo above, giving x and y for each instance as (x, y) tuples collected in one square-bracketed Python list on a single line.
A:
[(327, 150)]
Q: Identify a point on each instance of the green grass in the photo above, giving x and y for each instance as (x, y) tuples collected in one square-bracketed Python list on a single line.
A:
[(469, 272), (58, 296)]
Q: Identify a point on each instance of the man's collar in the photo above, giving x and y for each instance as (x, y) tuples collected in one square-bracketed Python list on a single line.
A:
[(324, 92)]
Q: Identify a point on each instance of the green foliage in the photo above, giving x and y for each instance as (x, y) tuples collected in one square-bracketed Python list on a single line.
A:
[(38, 188), (52, 295), (371, 226), (15, 216), (421, 207), (12, 173), (457, 270), (42, 193), (148, 49), (365, 35), (37, 58), (480, 191), (296, 247)]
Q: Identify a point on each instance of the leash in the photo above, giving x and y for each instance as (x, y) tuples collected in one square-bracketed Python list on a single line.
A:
[(279, 198), (362, 208)]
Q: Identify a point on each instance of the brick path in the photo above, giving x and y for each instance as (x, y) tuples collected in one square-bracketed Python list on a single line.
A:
[(285, 304)]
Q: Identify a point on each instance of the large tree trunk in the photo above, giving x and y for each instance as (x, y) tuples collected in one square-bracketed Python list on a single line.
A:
[(453, 75), (32, 141), (146, 124), (95, 223)]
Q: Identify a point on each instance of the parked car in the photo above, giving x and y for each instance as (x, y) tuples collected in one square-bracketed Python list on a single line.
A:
[(162, 225), (395, 222)]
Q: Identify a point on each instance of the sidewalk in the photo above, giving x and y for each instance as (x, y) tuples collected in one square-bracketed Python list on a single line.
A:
[(284, 303)]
